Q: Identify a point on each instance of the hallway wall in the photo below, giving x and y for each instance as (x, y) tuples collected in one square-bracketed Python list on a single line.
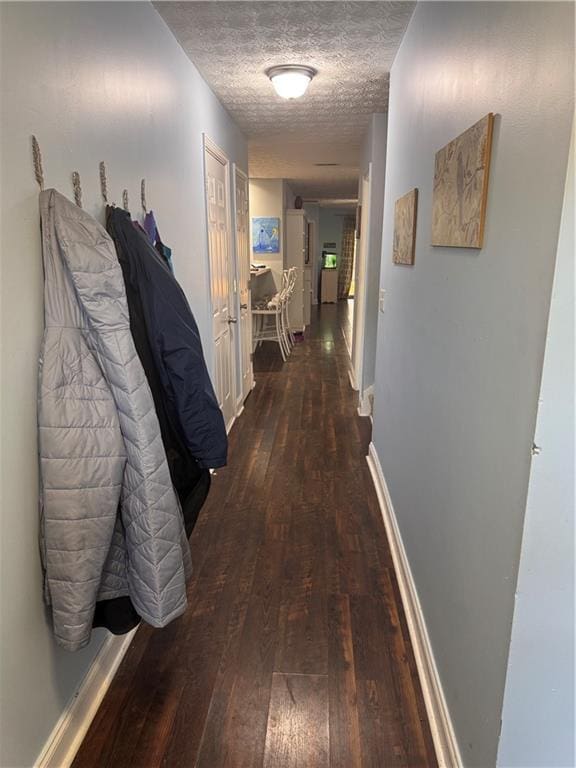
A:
[(540, 679), (93, 81), (461, 341), (331, 220)]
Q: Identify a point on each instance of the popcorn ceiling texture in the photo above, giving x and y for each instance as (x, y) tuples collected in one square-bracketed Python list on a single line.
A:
[(351, 44)]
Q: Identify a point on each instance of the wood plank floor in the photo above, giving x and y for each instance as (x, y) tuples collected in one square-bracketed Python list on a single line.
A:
[(294, 651)]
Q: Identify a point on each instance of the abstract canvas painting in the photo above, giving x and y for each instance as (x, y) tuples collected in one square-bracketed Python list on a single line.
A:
[(265, 235), (461, 187), (405, 228)]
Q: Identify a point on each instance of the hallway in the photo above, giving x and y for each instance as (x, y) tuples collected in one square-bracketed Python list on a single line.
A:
[(294, 649)]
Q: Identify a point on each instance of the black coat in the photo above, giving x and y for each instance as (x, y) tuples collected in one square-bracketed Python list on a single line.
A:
[(148, 281), (174, 341), (168, 344)]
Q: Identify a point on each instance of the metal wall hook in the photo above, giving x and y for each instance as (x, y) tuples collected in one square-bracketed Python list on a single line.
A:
[(103, 182), (37, 159), (77, 187)]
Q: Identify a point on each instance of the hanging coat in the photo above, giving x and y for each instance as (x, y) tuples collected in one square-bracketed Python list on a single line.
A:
[(151, 229), (99, 442), (175, 343), (191, 482)]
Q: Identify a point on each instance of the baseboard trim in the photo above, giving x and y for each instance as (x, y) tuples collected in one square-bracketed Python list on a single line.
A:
[(365, 403), (447, 751), (68, 733)]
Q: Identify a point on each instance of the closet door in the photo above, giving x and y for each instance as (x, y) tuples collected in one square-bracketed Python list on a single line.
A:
[(221, 278)]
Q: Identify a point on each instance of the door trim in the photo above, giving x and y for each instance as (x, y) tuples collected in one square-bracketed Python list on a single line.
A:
[(209, 145), (236, 170), (362, 259)]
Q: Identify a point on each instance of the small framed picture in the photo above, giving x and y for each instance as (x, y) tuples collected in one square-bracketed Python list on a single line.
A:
[(405, 228), (265, 235)]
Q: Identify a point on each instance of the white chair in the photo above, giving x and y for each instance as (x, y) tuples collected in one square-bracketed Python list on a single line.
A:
[(289, 283), (270, 310)]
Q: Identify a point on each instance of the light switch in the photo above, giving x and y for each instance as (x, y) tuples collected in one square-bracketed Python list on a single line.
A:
[(381, 301)]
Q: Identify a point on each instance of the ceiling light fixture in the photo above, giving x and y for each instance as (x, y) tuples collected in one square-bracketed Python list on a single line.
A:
[(290, 80)]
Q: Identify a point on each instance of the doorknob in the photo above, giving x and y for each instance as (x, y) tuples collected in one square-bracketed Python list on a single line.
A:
[(232, 319)]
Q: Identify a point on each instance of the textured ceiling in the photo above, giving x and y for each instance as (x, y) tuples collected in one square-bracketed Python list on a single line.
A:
[(351, 44)]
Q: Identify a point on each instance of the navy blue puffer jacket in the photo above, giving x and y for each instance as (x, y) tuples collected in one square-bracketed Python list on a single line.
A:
[(175, 343)]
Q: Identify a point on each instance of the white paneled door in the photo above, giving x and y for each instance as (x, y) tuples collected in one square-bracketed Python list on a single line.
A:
[(243, 257), (221, 278)]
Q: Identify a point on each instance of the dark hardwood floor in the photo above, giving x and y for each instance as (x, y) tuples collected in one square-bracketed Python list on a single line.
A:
[(294, 651)]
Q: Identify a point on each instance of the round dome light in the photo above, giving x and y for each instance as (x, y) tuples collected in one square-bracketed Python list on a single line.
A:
[(290, 81)]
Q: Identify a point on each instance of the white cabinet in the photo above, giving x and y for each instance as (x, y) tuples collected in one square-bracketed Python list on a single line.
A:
[(297, 255), (329, 286)]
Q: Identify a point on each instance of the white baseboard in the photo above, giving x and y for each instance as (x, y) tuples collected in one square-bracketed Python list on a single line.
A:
[(365, 402), (68, 733), (447, 750)]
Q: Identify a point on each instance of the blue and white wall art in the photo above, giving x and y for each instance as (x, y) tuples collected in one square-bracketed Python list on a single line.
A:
[(265, 235)]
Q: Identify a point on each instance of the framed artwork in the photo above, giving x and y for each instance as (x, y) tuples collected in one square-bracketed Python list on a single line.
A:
[(405, 228), (265, 235), (461, 187)]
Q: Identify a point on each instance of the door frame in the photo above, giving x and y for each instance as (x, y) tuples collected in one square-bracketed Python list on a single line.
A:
[(209, 145), (360, 274), (237, 171)]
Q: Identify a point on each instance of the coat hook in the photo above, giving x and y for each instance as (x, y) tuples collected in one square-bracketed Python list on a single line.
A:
[(143, 195), (103, 182), (37, 158), (77, 187), (125, 200)]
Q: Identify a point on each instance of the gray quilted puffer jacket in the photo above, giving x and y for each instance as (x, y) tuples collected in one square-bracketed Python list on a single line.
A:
[(110, 522)]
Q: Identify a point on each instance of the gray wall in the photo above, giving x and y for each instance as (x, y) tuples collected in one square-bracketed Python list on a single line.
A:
[(94, 81), (331, 220), (374, 151), (461, 341), (538, 714)]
